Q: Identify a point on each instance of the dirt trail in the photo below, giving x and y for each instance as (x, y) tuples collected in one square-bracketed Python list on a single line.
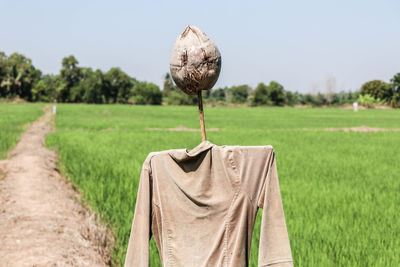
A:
[(41, 220)]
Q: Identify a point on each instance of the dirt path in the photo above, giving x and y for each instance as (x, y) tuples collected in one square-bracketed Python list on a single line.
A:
[(41, 220)]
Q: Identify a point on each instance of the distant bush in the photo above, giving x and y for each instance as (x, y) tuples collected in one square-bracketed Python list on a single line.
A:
[(168, 86), (144, 93), (271, 94), (378, 90), (238, 94), (276, 93), (369, 101), (180, 98), (260, 95), (218, 94), (291, 98), (343, 98)]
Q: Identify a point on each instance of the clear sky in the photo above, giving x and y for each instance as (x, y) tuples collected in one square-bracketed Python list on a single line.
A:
[(299, 44)]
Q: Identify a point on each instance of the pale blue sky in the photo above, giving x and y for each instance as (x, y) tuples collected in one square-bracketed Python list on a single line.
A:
[(300, 44)]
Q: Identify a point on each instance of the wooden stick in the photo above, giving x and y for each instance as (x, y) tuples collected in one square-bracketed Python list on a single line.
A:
[(201, 113)]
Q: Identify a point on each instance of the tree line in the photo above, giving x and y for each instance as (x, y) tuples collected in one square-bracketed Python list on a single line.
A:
[(372, 93), (76, 84)]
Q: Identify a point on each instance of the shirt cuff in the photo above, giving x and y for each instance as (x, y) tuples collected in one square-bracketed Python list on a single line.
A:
[(281, 263)]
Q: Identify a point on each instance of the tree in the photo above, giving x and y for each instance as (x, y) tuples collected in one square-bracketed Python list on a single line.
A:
[(307, 99), (291, 98), (45, 90), (70, 75), (378, 89), (144, 93), (77, 92), (91, 87), (273, 94), (180, 98), (395, 82), (3, 74), (239, 94), (261, 95), (276, 93), (206, 94), (320, 100), (218, 94), (168, 86), (118, 86), (17, 76)]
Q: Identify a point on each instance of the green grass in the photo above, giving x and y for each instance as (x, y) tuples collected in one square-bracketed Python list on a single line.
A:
[(340, 190), (14, 119)]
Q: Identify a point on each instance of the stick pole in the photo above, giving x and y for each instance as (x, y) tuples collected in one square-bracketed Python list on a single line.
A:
[(201, 113)]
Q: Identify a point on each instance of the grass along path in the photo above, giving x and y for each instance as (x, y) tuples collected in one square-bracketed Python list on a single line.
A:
[(41, 222), (340, 190), (14, 119)]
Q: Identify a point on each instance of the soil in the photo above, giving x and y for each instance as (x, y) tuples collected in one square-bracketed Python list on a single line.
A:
[(363, 129), (182, 128), (42, 220)]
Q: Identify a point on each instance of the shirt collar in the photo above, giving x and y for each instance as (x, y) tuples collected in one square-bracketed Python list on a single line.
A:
[(184, 154)]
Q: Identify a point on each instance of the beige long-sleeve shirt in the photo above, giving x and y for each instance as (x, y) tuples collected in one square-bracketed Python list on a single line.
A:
[(201, 205)]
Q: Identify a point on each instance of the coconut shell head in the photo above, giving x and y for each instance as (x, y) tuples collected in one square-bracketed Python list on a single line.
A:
[(195, 61)]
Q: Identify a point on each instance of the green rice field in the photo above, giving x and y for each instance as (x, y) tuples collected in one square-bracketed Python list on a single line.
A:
[(14, 119), (340, 190)]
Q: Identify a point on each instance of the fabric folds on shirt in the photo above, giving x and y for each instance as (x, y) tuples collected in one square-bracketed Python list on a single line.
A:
[(201, 206)]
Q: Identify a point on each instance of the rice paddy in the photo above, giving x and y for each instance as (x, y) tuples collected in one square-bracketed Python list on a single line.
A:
[(340, 190)]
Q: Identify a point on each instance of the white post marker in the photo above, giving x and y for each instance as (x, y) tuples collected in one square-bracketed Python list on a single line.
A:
[(54, 109), (355, 106)]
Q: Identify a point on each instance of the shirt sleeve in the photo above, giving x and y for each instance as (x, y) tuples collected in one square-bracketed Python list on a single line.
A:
[(138, 248), (274, 247)]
